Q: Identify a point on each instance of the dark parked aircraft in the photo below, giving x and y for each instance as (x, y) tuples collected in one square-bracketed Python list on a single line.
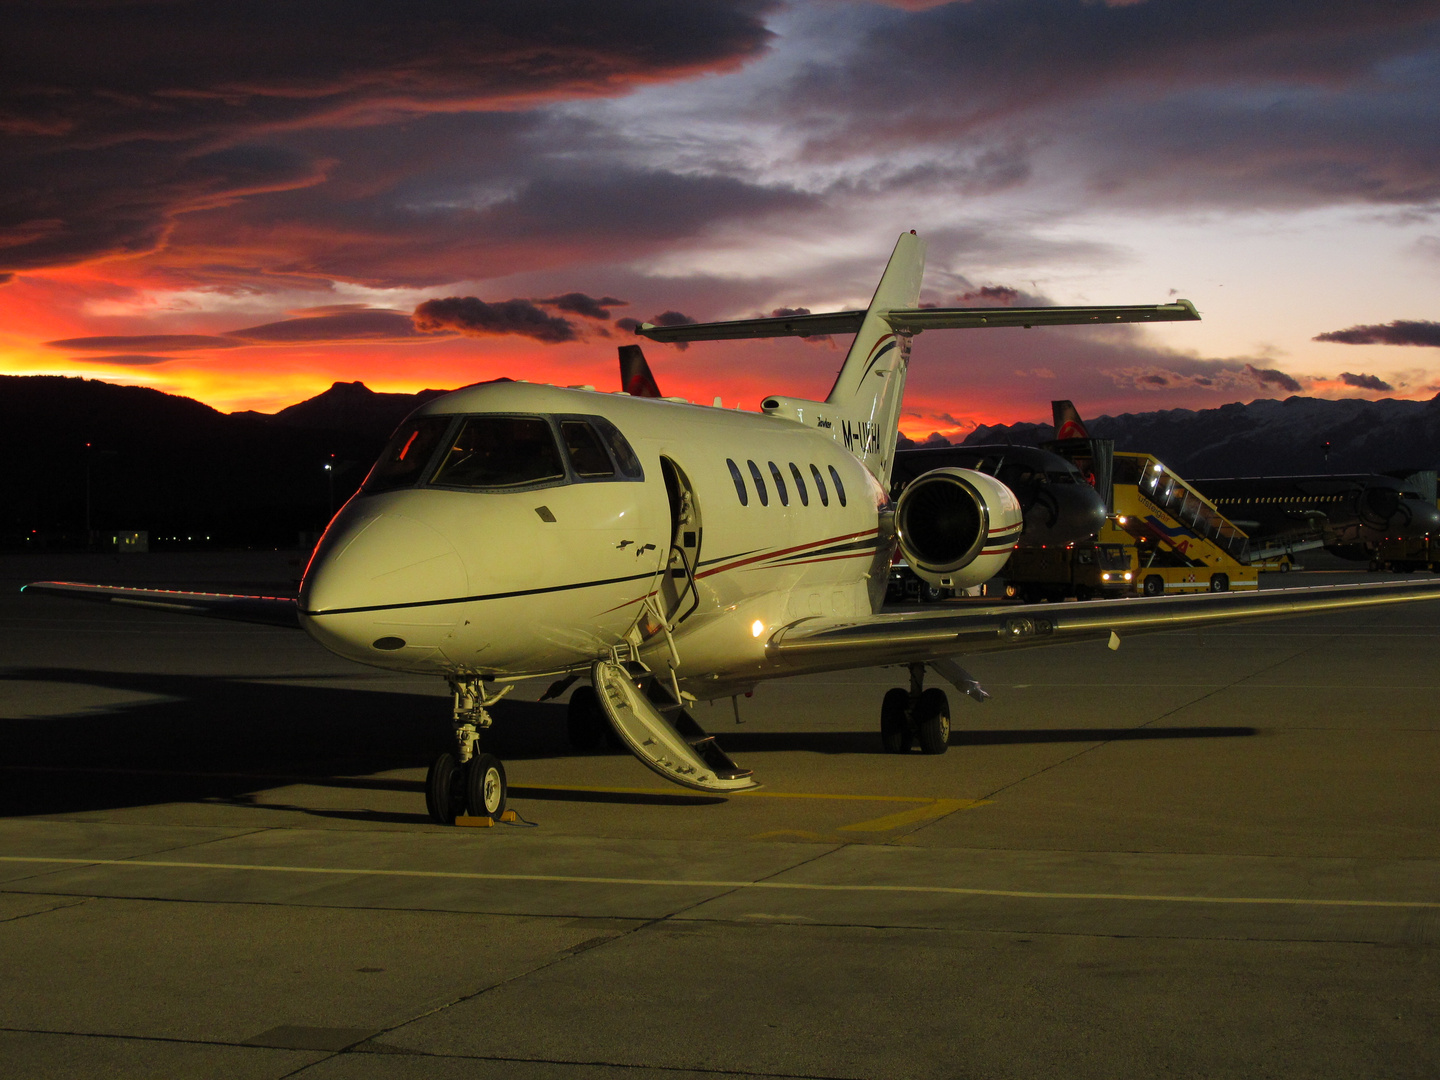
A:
[(1352, 512), (1059, 504)]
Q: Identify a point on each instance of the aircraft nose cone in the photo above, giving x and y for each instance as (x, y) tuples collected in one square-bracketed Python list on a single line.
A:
[(382, 560), (1063, 514)]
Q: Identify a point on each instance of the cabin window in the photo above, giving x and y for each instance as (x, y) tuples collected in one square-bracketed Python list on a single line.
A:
[(412, 446), (759, 483), (780, 488), (620, 449), (799, 485), (820, 486), (501, 452), (587, 457), (839, 487), (739, 482)]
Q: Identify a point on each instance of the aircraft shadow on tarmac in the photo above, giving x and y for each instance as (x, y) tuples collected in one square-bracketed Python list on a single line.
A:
[(192, 738)]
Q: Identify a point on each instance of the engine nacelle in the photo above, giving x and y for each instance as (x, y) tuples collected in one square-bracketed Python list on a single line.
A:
[(957, 527)]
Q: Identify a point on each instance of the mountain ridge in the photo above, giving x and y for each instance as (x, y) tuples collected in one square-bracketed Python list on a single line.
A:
[(1265, 437)]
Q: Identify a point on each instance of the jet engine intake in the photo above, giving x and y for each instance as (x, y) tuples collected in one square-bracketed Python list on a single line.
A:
[(957, 527)]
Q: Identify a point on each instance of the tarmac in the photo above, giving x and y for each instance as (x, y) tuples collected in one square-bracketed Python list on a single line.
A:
[(1206, 854)]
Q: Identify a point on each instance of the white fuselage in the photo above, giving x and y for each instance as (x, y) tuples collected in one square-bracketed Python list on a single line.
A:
[(550, 576)]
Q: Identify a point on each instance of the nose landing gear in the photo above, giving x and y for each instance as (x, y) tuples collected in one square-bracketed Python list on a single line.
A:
[(463, 780)]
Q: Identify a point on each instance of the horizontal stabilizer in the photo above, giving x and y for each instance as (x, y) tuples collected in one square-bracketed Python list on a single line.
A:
[(919, 319), (915, 320), (267, 610), (836, 322)]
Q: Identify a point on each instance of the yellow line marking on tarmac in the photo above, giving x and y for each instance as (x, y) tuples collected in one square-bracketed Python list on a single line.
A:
[(747, 794), (936, 809), (706, 883)]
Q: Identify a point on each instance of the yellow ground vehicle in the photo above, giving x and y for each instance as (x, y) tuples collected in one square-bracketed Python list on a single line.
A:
[(1183, 543)]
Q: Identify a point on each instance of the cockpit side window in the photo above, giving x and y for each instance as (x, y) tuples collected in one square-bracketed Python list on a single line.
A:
[(404, 460), (501, 452), (620, 449), (587, 457)]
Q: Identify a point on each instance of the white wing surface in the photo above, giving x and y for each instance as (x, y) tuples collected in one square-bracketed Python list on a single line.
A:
[(267, 610), (894, 638)]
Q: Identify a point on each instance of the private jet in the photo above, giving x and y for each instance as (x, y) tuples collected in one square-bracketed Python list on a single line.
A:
[(669, 553)]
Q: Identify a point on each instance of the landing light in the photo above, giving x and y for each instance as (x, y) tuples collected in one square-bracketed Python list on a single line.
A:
[(757, 628)]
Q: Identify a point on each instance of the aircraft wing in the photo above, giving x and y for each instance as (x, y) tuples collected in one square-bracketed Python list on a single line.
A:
[(903, 637), (915, 320), (267, 610)]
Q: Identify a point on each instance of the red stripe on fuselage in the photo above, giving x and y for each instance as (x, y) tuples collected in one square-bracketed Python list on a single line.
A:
[(786, 551)]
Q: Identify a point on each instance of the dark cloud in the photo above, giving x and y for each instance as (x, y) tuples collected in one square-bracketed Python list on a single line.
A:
[(341, 322), (1399, 332), (119, 117), (627, 324), (990, 295), (146, 342), (475, 318), (674, 318), (1184, 373), (578, 303), (1208, 101), (391, 227), (345, 325), (1274, 377), (1365, 382), (124, 359)]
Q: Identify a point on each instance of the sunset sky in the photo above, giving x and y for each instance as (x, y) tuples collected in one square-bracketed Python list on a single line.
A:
[(246, 202)]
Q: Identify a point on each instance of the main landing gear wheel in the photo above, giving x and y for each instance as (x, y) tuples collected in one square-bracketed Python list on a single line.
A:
[(585, 720), (445, 789), (932, 721), (895, 721), (485, 786)]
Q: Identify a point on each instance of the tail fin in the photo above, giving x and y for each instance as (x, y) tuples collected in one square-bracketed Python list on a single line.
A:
[(1068, 424), (635, 377), (867, 392)]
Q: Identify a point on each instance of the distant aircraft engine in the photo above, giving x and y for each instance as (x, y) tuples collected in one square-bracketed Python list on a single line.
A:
[(957, 527)]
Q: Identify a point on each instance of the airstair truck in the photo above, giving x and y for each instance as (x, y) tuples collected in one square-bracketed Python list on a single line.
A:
[(1184, 544)]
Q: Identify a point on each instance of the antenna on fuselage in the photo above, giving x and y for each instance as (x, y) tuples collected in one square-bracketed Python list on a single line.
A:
[(636, 378)]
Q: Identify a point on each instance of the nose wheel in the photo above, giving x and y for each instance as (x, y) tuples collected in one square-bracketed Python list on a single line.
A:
[(478, 788), (463, 780)]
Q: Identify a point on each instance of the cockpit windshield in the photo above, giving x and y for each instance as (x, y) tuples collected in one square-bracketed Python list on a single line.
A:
[(498, 453), (410, 450), (501, 452)]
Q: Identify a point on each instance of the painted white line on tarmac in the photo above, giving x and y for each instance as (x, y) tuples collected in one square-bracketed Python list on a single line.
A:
[(699, 883)]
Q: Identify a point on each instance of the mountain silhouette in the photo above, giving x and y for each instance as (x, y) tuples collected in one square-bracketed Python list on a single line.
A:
[(1267, 437), (128, 457)]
